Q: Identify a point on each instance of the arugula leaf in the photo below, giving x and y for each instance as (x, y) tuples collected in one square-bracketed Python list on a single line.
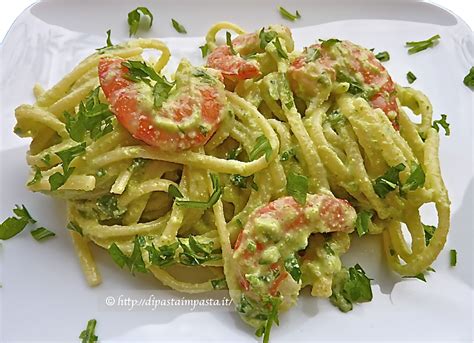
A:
[(419, 276), (335, 118), (429, 232), (88, 335), (163, 255), (134, 18), (204, 50), (415, 180), (216, 194), (219, 284), (383, 56), (415, 47), (362, 222), (297, 187), (178, 27), (281, 52), (134, 262), (108, 43), (329, 42), (196, 253), (453, 257), (266, 37), (287, 15), (312, 54), (349, 287), (93, 117), (271, 318), (443, 123), (262, 147), (228, 40), (293, 268), (411, 77), (108, 206), (41, 233), (469, 78), (74, 227), (389, 181), (286, 155), (36, 178)]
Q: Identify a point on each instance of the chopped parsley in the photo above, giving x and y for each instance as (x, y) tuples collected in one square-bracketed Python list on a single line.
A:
[(57, 179), (415, 180), (108, 207), (362, 222), (329, 42), (42, 233), (419, 276), (287, 15), (238, 180), (108, 43), (266, 37), (469, 78), (389, 181), (429, 232), (12, 226), (443, 123), (383, 56), (271, 317), (36, 178), (219, 284), (262, 147), (74, 227), (293, 268), (288, 154), (297, 187), (178, 27), (196, 253), (312, 54), (280, 51), (355, 87), (411, 77), (414, 47), (453, 257), (134, 18), (335, 118), (88, 335), (204, 50), (163, 255)]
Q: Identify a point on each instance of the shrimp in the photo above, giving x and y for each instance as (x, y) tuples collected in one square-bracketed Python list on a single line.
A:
[(265, 252), (188, 117), (312, 73), (236, 67)]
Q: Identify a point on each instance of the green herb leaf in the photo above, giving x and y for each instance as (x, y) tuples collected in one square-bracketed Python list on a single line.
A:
[(429, 232), (36, 178), (287, 15), (281, 52), (335, 118), (196, 253), (411, 77), (415, 47), (178, 27), (88, 335), (266, 37), (108, 43), (453, 257), (204, 50), (228, 40), (117, 255), (329, 42), (163, 255), (22, 213), (355, 87), (41, 233), (137, 163), (57, 179), (134, 18), (443, 123), (469, 78), (238, 180), (271, 318), (216, 194), (419, 276), (383, 56), (415, 180), (219, 284), (362, 222), (297, 187), (135, 261), (74, 227), (293, 268), (312, 54), (108, 207), (262, 147), (11, 227), (286, 155), (175, 192), (234, 153), (349, 287), (389, 181)]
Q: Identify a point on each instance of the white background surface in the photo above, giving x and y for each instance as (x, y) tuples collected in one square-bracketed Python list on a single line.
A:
[(45, 295)]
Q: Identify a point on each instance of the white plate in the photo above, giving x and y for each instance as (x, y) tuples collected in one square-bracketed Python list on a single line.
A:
[(44, 296)]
